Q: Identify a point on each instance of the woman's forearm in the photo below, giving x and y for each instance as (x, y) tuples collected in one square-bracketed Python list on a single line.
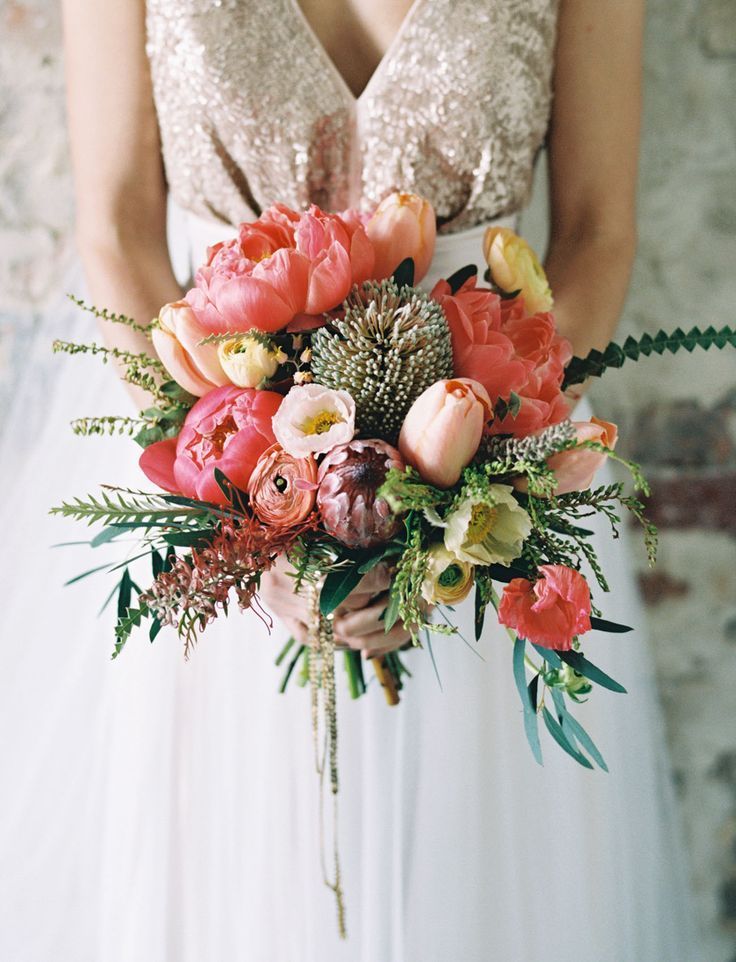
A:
[(589, 277), (135, 281)]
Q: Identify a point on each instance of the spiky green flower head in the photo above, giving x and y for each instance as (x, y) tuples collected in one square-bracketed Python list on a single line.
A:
[(389, 345)]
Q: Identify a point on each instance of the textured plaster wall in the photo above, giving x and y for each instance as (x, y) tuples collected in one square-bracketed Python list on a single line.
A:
[(679, 414)]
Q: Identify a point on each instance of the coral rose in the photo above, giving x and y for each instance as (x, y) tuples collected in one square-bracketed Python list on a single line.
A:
[(177, 338), (443, 428), (283, 265), (480, 350), (282, 489), (515, 267), (229, 429), (551, 612), (403, 225)]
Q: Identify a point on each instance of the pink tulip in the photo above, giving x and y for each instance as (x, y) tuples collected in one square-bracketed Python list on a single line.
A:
[(443, 428), (402, 226), (574, 469), (551, 611), (283, 265), (229, 429), (177, 338)]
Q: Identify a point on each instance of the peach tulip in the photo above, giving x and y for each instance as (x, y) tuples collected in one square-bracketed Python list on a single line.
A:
[(177, 339), (442, 431), (574, 469), (403, 225)]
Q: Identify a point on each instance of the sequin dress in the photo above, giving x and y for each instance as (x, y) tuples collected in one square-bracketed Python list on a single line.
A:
[(168, 812)]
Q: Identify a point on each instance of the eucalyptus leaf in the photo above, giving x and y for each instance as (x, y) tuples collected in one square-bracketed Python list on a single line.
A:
[(550, 656), (480, 612), (555, 730), (600, 624), (590, 671), (575, 731), (530, 715)]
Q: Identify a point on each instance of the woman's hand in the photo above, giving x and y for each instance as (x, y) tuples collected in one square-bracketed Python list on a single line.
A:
[(357, 623)]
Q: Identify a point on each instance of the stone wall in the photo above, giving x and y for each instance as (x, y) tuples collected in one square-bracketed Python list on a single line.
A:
[(678, 414)]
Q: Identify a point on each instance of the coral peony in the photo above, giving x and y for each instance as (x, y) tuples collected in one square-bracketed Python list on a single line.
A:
[(443, 428), (349, 477), (479, 347), (229, 429), (515, 267), (177, 338), (313, 419), (283, 265), (551, 612), (282, 489), (403, 225)]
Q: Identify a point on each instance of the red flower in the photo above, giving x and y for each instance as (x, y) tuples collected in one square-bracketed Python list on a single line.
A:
[(229, 429), (550, 612)]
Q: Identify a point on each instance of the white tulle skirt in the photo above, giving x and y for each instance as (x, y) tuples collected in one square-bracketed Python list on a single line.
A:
[(158, 810)]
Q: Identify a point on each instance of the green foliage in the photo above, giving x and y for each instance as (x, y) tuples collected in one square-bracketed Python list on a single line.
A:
[(105, 315), (615, 355), (122, 507)]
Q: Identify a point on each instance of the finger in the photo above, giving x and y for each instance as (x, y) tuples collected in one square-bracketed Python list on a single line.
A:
[(363, 622), (297, 629), (357, 601), (380, 643)]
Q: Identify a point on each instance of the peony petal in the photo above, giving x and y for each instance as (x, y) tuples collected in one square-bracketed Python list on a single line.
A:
[(330, 280), (157, 463)]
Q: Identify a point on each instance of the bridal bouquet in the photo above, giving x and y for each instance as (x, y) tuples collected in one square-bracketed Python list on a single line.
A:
[(309, 401)]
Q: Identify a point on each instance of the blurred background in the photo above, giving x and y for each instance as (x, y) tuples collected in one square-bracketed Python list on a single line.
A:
[(678, 414)]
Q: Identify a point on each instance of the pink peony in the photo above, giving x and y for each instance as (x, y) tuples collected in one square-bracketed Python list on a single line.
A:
[(283, 265), (552, 611), (229, 429)]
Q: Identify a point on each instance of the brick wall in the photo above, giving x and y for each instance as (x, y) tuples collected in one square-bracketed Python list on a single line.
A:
[(678, 415)]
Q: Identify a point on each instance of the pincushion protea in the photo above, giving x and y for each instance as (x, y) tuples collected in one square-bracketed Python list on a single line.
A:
[(389, 345), (348, 479)]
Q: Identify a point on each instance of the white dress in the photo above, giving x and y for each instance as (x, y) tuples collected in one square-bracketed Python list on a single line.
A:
[(166, 811)]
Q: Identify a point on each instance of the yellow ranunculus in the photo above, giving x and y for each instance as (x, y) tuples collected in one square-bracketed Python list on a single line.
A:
[(515, 267), (249, 360), (448, 580), (488, 530)]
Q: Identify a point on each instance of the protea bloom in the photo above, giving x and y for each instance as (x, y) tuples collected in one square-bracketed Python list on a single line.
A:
[(349, 478)]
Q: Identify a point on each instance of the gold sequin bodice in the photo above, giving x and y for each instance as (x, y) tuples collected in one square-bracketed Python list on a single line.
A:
[(252, 110)]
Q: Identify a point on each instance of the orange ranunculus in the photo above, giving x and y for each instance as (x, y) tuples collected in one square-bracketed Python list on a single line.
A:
[(443, 429), (177, 339), (552, 611), (282, 489), (403, 225)]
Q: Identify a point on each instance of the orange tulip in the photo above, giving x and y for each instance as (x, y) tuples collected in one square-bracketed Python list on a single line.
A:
[(442, 431), (177, 338), (402, 226)]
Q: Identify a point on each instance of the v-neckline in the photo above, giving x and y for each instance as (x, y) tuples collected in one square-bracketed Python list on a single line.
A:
[(332, 66)]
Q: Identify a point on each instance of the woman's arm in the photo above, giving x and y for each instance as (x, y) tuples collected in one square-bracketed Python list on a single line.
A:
[(593, 156), (120, 188)]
